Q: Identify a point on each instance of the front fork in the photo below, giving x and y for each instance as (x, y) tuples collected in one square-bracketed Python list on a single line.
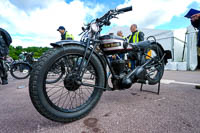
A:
[(83, 65)]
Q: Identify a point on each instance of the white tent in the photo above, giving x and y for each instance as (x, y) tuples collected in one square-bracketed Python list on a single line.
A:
[(191, 48), (182, 59)]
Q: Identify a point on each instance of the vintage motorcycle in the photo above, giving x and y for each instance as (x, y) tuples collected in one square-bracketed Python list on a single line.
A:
[(84, 66), (21, 69)]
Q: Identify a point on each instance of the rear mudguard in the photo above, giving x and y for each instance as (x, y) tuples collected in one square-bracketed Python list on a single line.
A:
[(67, 42), (168, 54), (147, 43)]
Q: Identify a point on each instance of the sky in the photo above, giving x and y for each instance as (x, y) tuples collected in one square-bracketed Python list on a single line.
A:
[(35, 22)]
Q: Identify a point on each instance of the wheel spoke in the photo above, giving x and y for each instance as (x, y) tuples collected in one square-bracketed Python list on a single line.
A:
[(60, 97), (56, 92), (65, 99), (63, 94)]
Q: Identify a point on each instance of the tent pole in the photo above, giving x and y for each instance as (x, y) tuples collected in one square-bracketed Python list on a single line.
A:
[(184, 47), (172, 39)]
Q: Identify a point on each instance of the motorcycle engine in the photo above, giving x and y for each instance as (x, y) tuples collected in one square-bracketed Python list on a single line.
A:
[(119, 67)]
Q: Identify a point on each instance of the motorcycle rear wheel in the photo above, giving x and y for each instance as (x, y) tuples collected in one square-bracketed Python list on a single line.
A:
[(155, 70), (20, 70)]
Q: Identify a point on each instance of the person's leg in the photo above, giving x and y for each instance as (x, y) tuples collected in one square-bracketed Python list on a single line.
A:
[(4, 78), (4, 81), (198, 56), (198, 53), (122, 56)]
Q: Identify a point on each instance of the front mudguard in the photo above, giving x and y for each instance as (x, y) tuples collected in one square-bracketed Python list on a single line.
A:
[(72, 42), (66, 42)]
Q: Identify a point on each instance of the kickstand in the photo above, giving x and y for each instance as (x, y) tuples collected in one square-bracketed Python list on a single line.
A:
[(158, 88), (141, 87), (158, 91)]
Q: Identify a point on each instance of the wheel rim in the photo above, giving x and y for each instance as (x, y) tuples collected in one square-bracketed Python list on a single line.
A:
[(63, 97), (21, 70), (154, 69)]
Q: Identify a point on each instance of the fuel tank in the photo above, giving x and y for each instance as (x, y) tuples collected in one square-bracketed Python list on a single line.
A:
[(112, 44)]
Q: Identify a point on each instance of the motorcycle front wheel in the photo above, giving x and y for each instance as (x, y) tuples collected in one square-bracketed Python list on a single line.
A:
[(65, 100)]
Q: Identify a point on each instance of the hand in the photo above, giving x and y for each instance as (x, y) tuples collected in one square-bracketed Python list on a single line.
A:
[(195, 17)]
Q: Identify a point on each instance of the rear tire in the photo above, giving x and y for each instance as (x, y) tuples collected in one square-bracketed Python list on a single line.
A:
[(37, 87), (158, 53)]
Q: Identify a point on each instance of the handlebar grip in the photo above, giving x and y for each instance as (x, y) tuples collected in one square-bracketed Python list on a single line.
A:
[(126, 9)]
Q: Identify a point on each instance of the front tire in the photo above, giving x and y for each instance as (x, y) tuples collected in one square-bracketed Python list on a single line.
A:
[(38, 88)]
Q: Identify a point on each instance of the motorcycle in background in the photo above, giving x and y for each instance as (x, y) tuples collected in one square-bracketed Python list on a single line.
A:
[(21, 69)]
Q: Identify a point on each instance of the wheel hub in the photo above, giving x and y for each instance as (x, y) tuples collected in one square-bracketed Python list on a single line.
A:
[(71, 82)]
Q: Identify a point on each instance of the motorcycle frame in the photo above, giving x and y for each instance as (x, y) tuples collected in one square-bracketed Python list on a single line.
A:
[(87, 47)]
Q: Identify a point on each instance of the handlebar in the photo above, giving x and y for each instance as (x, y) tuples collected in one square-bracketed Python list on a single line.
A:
[(105, 19), (113, 12), (126, 9)]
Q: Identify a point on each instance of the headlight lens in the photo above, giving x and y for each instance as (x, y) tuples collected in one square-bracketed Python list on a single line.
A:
[(94, 27)]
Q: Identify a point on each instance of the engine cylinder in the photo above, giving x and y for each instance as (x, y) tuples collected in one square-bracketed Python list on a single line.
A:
[(118, 66)]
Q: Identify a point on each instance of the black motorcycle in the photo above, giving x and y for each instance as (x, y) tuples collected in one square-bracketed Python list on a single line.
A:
[(84, 66), (21, 69)]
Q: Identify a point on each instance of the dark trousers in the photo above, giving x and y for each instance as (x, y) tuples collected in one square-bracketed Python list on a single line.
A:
[(3, 73)]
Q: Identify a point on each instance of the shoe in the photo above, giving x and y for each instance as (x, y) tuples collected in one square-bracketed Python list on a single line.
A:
[(197, 86), (4, 82)]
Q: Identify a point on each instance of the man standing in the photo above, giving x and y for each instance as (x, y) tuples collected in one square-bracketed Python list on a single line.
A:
[(5, 41), (195, 21), (135, 37), (64, 34)]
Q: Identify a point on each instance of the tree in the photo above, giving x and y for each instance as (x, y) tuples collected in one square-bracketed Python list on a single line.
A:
[(14, 52)]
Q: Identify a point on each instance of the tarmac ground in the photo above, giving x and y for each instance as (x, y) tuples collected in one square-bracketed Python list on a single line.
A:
[(175, 110)]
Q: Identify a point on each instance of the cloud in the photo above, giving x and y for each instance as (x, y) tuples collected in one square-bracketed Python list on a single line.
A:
[(28, 5), (151, 13), (34, 22), (38, 26)]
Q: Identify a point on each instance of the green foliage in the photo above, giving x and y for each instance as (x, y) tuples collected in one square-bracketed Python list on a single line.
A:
[(14, 52)]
